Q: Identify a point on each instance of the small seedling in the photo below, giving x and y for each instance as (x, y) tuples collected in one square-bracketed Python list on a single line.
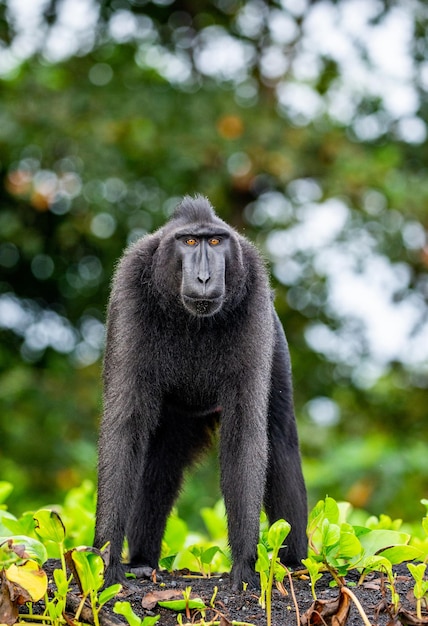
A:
[(421, 586), (213, 597), (268, 568), (204, 558), (314, 570), (88, 569)]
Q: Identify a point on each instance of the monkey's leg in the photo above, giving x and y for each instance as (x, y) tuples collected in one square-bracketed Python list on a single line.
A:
[(119, 454), (171, 449), (285, 492), (243, 458)]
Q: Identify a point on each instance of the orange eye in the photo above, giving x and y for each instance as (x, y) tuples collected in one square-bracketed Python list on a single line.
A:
[(214, 242), (191, 242)]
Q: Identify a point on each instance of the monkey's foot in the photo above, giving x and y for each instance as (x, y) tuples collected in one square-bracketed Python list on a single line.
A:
[(114, 574), (244, 576)]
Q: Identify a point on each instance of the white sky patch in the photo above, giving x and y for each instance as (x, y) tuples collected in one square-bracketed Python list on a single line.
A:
[(42, 329), (220, 55), (337, 32), (379, 319), (74, 30), (318, 226), (367, 296)]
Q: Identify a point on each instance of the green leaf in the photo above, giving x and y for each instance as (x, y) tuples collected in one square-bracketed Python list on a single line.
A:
[(330, 534), (175, 535), (90, 570), (215, 520), (279, 571), (61, 581), (125, 609), (377, 540), (180, 605), (28, 547), (9, 524), (349, 545), (108, 593), (263, 562), (49, 525), (315, 516), (377, 564), (167, 562), (208, 554), (398, 554), (196, 550), (6, 489), (417, 571), (331, 510), (277, 533)]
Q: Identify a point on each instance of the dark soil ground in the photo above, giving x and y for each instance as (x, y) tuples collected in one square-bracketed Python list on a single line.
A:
[(229, 606)]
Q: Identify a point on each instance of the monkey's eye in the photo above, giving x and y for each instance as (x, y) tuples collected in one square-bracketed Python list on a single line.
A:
[(214, 241), (191, 242)]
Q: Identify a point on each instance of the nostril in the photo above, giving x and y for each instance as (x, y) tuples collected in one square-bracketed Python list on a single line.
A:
[(203, 278)]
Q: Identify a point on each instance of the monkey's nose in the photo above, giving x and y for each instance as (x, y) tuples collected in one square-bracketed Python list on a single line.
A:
[(203, 277)]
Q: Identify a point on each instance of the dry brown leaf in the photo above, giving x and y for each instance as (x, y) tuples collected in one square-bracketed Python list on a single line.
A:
[(374, 585), (8, 608), (411, 619), (331, 612), (150, 600)]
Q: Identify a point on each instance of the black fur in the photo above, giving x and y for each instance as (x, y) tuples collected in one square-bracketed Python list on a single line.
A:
[(180, 360)]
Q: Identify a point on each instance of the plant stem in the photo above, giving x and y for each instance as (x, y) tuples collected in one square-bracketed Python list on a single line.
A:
[(293, 595), (94, 608), (44, 618), (419, 608), (340, 582), (269, 588), (80, 607)]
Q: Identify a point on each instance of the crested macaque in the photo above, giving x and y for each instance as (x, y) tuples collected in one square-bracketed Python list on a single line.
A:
[(194, 345)]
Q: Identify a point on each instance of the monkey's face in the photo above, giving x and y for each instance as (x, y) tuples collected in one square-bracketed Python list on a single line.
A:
[(203, 254)]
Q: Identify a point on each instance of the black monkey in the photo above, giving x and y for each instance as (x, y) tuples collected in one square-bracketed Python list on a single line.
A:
[(193, 342)]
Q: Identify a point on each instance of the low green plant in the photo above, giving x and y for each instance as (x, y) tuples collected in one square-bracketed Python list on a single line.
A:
[(269, 568), (88, 569), (420, 590), (337, 546), (340, 547), (21, 559), (314, 570), (204, 558)]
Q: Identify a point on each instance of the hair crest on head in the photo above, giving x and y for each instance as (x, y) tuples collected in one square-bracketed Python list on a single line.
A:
[(194, 209)]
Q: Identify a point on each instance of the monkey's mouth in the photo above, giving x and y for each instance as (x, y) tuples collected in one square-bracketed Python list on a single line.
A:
[(202, 308)]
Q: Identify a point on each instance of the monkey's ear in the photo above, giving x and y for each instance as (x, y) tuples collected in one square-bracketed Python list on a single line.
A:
[(237, 254)]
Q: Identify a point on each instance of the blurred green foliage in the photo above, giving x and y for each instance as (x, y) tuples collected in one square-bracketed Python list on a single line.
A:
[(97, 144)]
